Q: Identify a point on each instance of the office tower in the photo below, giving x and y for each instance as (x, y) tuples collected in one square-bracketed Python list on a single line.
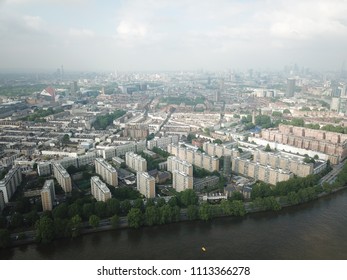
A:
[(181, 181), (145, 184), (290, 87), (48, 195), (107, 172), (135, 162), (62, 176), (99, 190)]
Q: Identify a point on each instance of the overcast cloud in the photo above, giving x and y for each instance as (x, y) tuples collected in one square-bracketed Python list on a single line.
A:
[(172, 35)]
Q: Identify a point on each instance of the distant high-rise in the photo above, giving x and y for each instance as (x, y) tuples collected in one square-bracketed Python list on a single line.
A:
[(290, 87), (73, 87), (217, 97)]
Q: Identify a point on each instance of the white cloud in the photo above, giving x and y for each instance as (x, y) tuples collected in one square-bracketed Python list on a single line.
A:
[(33, 22), (131, 29), (87, 33)]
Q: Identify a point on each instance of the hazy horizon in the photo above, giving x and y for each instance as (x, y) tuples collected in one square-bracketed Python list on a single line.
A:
[(149, 35)]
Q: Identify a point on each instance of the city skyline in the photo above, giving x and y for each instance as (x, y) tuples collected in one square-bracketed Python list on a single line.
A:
[(166, 35)]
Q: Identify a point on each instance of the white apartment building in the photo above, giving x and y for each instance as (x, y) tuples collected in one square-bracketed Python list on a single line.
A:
[(9, 184), (44, 168), (62, 176), (174, 163), (197, 158), (48, 195), (145, 184), (99, 190), (181, 181), (162, 142), (135, 162), (107, 172)]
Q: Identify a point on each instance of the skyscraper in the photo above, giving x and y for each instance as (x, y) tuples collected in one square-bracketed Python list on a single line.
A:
[(290, 87)]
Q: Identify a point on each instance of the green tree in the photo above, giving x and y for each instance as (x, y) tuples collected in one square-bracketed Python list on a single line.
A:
[(205, 211), (150, 202), (22, 205), (135, 218), (165, 214), (125, 206), (44, 230), (192, 212), (62, 228), (237, 196), (87, 210), (151, 216), (160, 202), (138, 203), (5, 239), (173, 201), (114, 220), (74, 209), (226, 207), (261, 190), (16, 220), (31, 218), (188, 197), (76, 225), (113, 206), (100, 209), (267, 148), (175, 213), (61, 211), (94, 221), (238, 208)]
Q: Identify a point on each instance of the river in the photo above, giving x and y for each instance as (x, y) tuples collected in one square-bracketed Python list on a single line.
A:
[(316, 230)]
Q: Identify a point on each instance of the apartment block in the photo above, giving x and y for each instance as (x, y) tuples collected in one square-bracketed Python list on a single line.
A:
[(195, 157), (174, 163), (162, 142), (286, 162), (62, 176), (107, 172), (9, 184), (181, 181), (145, 184), (48, 195), (217, 150), (44, 168), (135, 162), (99, 190), (330, 143), (260, 172)]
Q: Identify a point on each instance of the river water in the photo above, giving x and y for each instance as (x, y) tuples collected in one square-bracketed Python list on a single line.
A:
[(317, 230)]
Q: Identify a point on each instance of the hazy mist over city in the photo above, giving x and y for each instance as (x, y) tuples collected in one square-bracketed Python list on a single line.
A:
[(172, 35)]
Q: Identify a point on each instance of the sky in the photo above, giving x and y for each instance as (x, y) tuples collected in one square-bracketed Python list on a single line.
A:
[(163, 35)]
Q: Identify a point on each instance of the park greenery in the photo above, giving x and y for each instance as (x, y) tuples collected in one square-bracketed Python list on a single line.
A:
[(102, 122), (39, 114)]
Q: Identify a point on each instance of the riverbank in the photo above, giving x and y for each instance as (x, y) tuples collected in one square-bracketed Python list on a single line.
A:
[(30, 235)]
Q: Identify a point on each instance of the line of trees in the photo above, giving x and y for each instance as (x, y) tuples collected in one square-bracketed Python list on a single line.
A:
[(102, 122)]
